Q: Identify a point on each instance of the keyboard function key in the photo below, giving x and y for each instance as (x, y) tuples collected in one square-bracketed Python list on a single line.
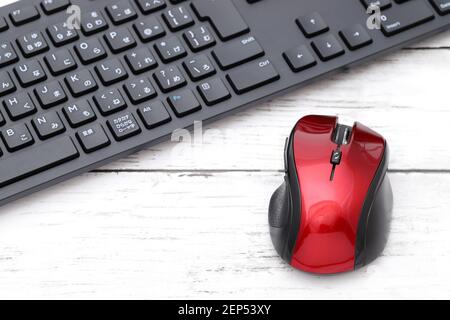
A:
[(356, 37), (252, 76), (154, 115), (312, 25), (24, 15), (213, 91), (299, 58), (17, 137), (48, 125), (19, 106), (79, 113), (184, 103), (124, 126), (93, 138), (237, 52), (328, 47)]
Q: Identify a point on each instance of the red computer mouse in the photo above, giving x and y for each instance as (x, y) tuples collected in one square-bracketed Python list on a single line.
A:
[(333, 211)]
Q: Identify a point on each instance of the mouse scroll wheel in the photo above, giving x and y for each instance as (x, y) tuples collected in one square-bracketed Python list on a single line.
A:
[(342, 134)]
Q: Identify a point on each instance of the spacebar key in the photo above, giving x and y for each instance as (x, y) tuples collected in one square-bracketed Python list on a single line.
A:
[(34, 160), (252, 76)]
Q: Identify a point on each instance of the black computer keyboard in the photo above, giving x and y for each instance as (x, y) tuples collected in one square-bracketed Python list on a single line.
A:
[(133, 71)]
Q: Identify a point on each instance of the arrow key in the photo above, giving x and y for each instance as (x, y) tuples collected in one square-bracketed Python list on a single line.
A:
[(299, 58), (356, 37), (312, 25), (328, 47)]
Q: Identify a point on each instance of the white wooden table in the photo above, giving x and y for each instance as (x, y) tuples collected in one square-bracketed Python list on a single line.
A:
[(190, 220)]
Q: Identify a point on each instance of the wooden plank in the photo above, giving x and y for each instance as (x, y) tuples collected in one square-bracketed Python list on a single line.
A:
[(203, 235), (404, 96)]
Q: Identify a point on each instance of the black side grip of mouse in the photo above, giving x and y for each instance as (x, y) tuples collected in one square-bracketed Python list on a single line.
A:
[(284, 209), (374, 224)]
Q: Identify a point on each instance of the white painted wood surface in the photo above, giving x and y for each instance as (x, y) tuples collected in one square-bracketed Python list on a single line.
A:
[(190, 221)]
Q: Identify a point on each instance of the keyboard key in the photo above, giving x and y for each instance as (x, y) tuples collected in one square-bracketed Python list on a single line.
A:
[(178, 18), (149, 29), (199, 67), (312, 25), (90, 51), (121, 12), (30, 73), (61, 34), (124, 126), (139, 90), (7, 54), (223, 16), (170, 79), (24, 15), (199, 38), (19, 106), (17, 137), (404, 17), (81, 83), (141, 60), (120, 40), (382, 4), (60, 62), (238, 52), (93, 22), (110, 102), (252, 76), (442, 6), (213, 91), (356, 37), (53, 6), (149, 6), (93, 138), (79, 113), (3, 24), (2, 120), (170, 49), (35, 160), (111, 71), (299, 58), (6, 84), (184, 103), (48, 125), (50, 94), (154, 115), (32, 44), (328, 47)]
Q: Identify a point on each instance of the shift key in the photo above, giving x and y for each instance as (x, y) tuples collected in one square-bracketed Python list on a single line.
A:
[(252, 76), (238, 52)]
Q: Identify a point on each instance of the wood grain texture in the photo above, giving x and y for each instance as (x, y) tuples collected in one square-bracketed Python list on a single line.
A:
[(191, 235), (190, 220)]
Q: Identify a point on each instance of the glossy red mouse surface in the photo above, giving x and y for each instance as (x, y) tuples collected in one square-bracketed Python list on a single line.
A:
[(329, 207)]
